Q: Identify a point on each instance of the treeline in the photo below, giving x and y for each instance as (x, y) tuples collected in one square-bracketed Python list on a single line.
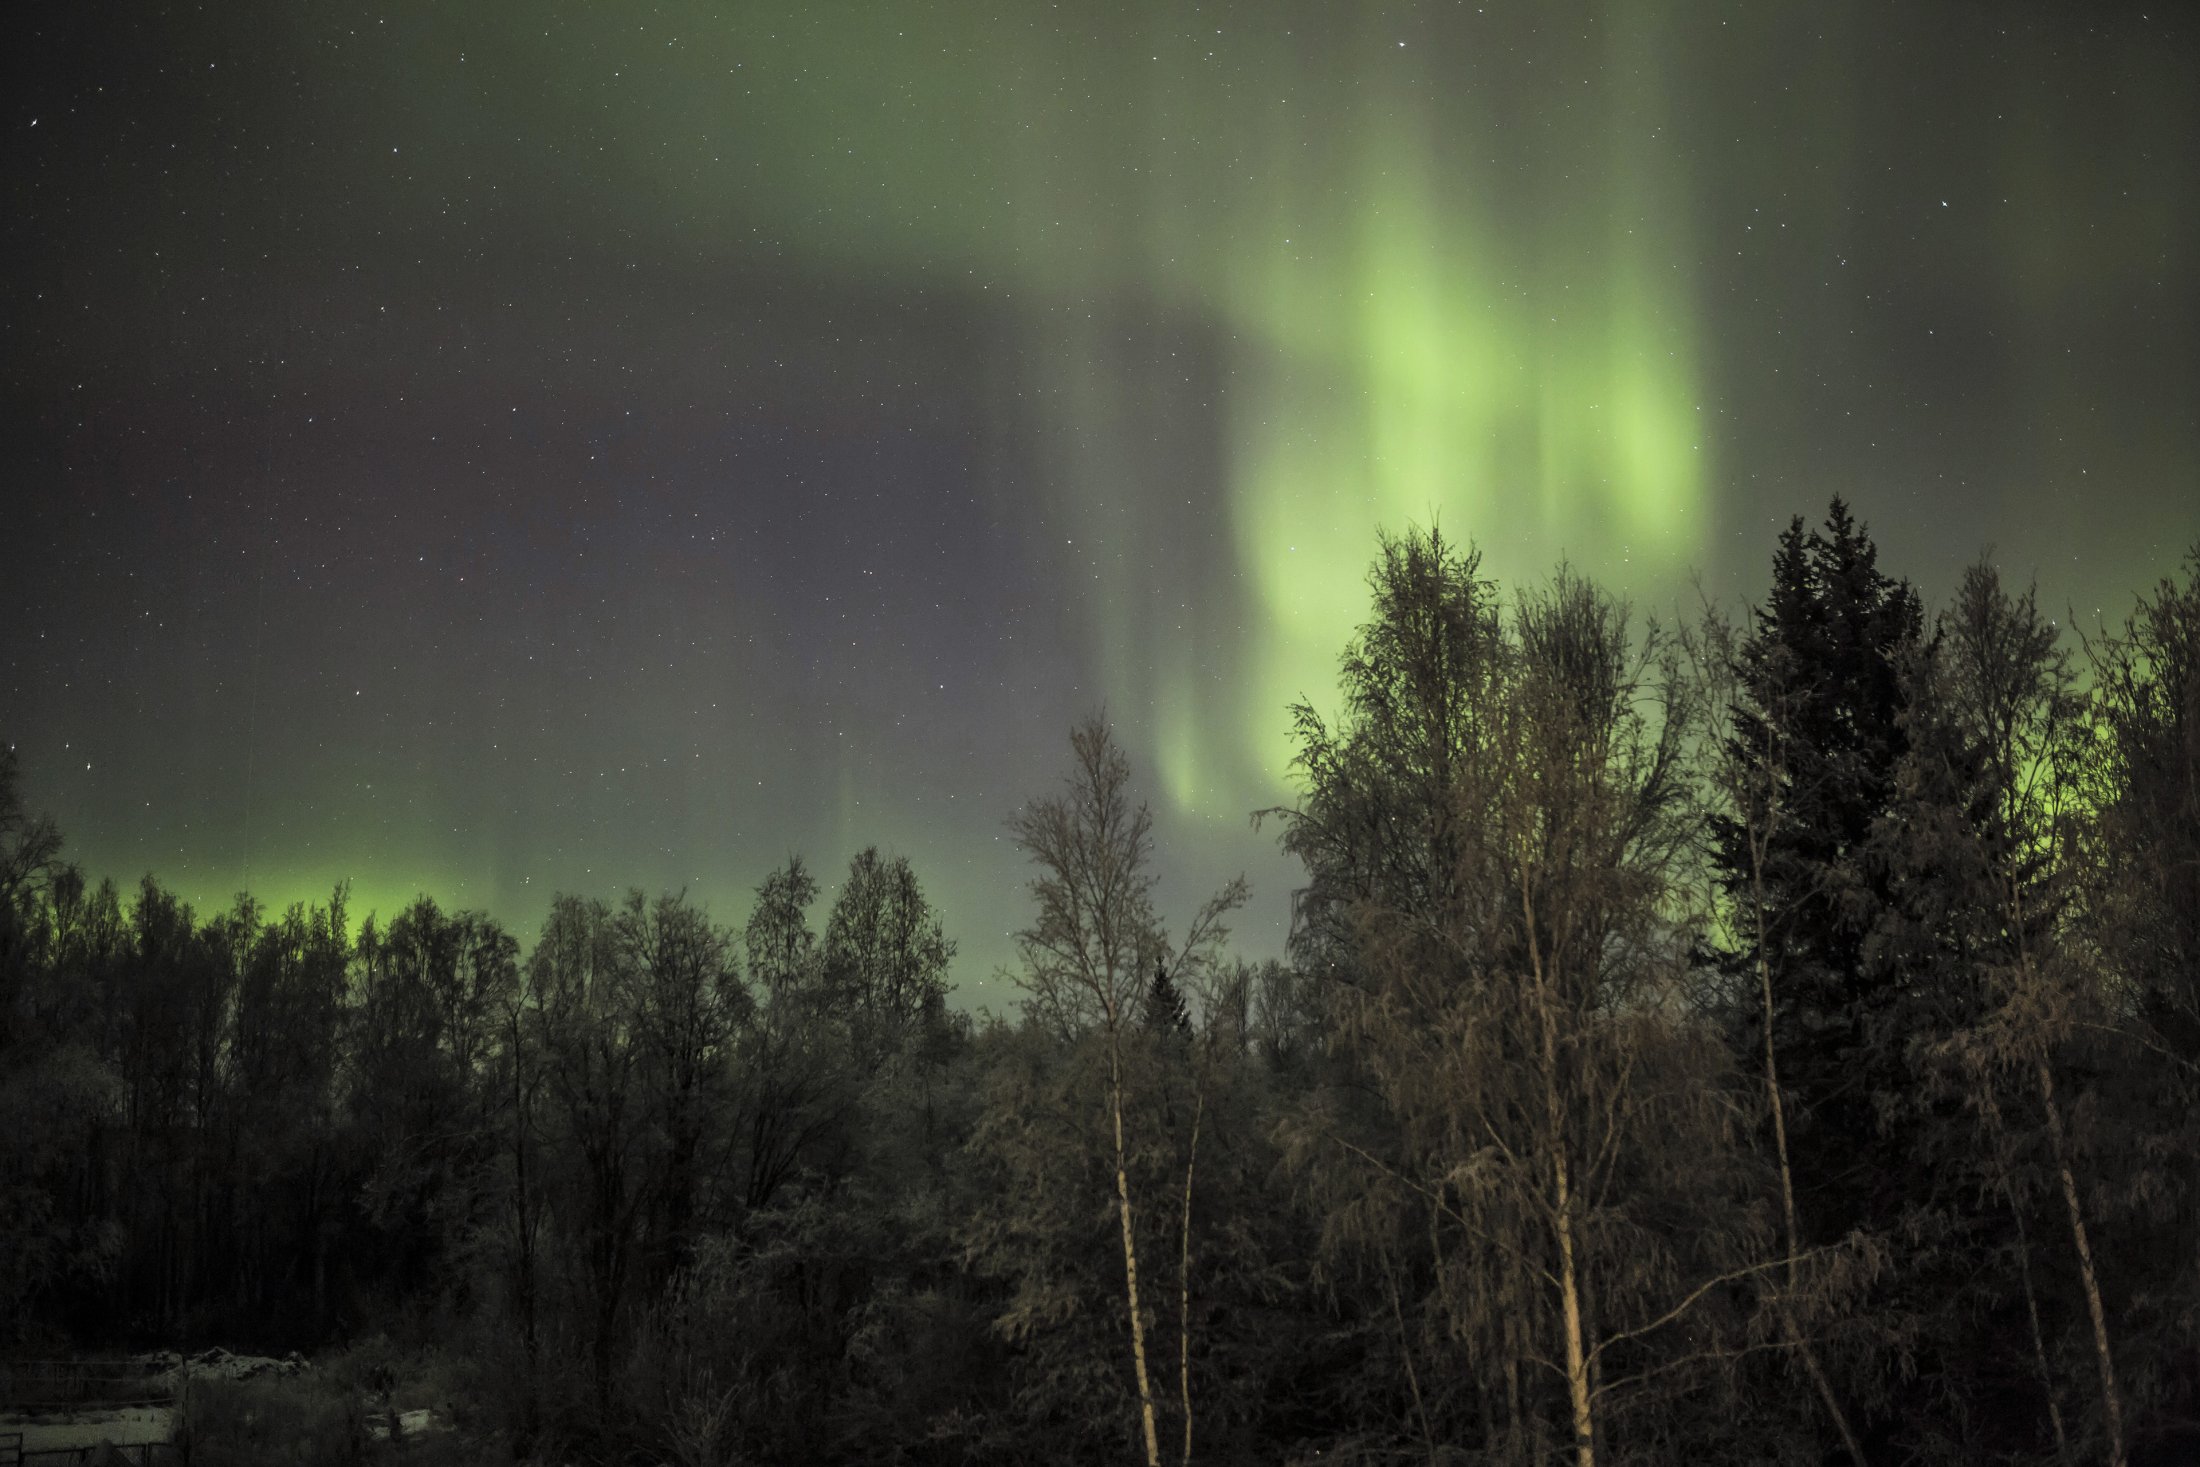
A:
[(1774, 1041)]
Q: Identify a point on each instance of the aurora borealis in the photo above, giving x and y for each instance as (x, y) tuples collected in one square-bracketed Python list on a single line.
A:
[(499, 449)]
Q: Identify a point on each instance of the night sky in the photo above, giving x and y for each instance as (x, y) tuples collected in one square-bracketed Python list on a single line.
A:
[(499, 449)]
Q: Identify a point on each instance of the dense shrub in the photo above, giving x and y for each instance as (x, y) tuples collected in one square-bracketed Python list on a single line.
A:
[(300, 1421)]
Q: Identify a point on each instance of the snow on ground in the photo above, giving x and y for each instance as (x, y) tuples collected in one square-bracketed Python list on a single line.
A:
[(167, 1371), (409, 1423), (123, 1426), (171, 1370), (165, 1374)]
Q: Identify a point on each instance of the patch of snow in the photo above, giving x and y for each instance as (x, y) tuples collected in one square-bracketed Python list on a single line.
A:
[(409, 1423), (172, 1370), (79, 1430)]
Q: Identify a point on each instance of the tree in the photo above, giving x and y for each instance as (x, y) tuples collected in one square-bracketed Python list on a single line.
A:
[(782, 950), (2141, 911), (688, 1004), (1529, 1112), (522, 1078), (171, 1032), (285, 1057), (1820, 714), (2014, 697), (885, 955), (1377, 824), (1088, 950), (1746, 782), (1164, 1011), (30, 846), (1960, 1116), (795, 1068), (56, 1094), (583, 997), (2147, 682), (430, 990), (1378, 829)]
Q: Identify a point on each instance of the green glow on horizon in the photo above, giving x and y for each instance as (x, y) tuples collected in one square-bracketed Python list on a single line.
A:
[(277, 890)]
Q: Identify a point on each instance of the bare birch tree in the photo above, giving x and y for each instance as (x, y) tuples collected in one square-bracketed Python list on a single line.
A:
[(1089, 951), (2014, 695), (1547, 1104)]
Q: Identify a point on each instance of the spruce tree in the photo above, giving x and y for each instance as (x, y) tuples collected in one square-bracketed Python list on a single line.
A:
[(1821, 688), (1165, 1010)]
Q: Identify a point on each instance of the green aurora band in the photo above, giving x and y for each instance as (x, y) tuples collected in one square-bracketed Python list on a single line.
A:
[(1400, 327), (1240, 285)]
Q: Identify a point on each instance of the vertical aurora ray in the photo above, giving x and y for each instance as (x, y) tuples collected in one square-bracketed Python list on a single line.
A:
[(1533, 386), (1404, 339), (1310, 274)]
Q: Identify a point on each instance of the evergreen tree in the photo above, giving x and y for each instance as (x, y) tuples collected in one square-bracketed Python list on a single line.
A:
[(1821, 690), (1165, 1010)]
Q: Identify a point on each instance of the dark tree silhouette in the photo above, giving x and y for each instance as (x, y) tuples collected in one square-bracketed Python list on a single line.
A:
[(1821, 710)]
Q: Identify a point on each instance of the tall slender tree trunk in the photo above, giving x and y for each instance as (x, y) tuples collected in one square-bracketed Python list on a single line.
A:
[(1130, 1251), (1516, 1434), (2039, 1340), (1577, 1369), (609, 1248), (1796, 1337), (1184, 1277), (1562, 1208), (524, 1215), (2112, 1402), (1405, 1355), (320, 1274)]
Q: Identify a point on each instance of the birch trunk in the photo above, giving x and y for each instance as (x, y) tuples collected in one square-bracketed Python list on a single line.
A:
[(1184, 1280), (2112, 1404), (1795, 1335), (1577, 1368), (1569, 1287), (2112, 1401), (1130, 1254), (2039, 1341)]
